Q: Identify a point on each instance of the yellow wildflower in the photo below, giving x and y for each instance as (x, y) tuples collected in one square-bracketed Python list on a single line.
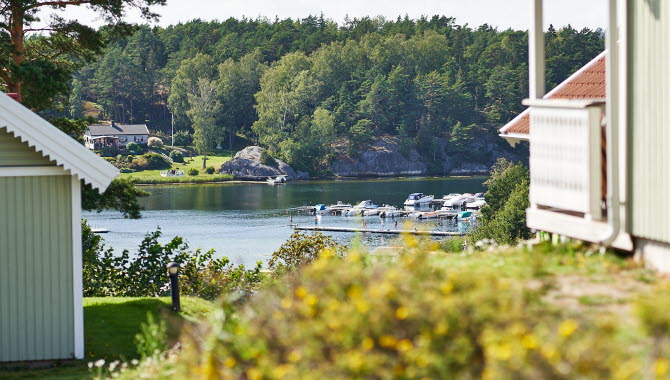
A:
[(294, 356), (286, 303), (502, 351), (301, 292), (281, 371), (311, 300), (529, 341), (404, 345), (401, 313), (567, 328), (230, 362), (441, 328), (447, 287), (354, 292), (661, 367), (388, 341), (362, 306), (368, 344), (254, 374)]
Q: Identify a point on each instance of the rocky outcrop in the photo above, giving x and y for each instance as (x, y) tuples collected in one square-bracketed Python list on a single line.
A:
[(247, 165), (383, 158)]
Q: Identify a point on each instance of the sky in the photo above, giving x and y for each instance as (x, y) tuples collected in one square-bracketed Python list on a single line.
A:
[(498, 13)]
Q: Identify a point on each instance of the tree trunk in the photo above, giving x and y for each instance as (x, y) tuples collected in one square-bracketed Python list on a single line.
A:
[(16, 35), (204, 161)]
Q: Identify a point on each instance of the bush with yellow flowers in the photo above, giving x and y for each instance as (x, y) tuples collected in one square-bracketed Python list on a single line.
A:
[(421, 316)]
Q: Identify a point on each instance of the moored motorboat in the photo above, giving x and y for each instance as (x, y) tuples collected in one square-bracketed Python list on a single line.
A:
[(277, 180), (360, 208), (418, 200)]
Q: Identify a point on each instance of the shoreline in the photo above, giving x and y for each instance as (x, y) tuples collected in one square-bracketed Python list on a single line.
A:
[(316, 179)]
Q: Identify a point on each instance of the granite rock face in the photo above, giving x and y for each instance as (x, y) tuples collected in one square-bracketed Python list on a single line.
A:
[(382, 159), (246, 164)]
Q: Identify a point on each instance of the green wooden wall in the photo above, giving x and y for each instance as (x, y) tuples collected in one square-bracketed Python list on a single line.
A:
[(649, 119), (13, 152), (36, 286)]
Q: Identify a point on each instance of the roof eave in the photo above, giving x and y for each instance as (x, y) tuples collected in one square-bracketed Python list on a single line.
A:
[(53, 143)]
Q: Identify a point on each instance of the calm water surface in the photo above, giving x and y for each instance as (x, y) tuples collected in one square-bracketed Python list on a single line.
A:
[(248, 221)]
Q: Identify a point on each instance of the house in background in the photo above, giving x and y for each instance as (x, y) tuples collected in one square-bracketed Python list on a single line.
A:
[(599, 170), (115, 135), (41, 169)]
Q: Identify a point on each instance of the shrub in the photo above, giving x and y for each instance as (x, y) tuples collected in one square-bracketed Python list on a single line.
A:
[(126, 170), (155, 142), (152, 338), (134, 148), (347, 319), (503, 219), (182, 139), (301, 249), (150, 161), (109, 152), (106, 273), (266, 159), (210, 170), (193, 172), (361, 135), (177, 156)]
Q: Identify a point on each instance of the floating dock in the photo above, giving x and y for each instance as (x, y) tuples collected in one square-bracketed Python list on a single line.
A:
[(379, 231)]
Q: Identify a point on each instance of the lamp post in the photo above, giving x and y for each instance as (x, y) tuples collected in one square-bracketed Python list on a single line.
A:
[(173, 273)]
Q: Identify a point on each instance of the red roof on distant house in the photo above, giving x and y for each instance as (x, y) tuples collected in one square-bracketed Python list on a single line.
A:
[(587, 83)]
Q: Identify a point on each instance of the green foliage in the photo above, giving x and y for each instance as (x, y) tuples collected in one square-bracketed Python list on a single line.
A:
[(75, 128), (177, 156), (134, 148), (210, 170), (361, 134), (193, 172), (121, 195), (107, 273), (503, 219), (296, 86), (150, 161), (151, 341), (182, 138), (108, 151), (461, 137), (300, 250), (267, 159), (482, 315), (39, 67)]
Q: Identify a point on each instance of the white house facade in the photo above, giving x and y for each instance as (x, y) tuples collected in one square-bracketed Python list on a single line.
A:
[(115, 135)]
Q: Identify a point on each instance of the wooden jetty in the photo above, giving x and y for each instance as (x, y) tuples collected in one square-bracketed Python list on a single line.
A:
[(379, 231)]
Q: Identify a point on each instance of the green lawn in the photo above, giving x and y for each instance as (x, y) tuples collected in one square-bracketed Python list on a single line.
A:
[(110, 326), (153, 176)]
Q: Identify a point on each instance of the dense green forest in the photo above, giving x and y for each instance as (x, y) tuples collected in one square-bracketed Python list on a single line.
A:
[(292, 85)]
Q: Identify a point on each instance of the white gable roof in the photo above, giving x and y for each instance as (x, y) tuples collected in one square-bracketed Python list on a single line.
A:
[(51, 142)]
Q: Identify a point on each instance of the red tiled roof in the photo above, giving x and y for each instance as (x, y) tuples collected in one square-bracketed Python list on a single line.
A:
[(587, 83)]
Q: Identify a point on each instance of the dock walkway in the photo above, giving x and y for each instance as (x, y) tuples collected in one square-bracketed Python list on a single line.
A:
[(379, 231)]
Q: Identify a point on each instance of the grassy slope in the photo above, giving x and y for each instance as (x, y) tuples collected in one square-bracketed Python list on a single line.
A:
[(110, 326), (153, 176)]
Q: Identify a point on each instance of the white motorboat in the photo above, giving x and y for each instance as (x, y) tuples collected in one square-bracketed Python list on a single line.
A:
[(454, 203), (340, 206), (360, 208), (277, 180), (390, 212), (451, 196), (418, 200), (475, 203), (320, 209)]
